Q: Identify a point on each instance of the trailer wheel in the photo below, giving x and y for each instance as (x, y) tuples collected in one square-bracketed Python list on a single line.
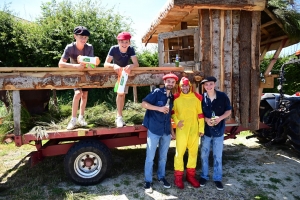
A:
[(87, 162)]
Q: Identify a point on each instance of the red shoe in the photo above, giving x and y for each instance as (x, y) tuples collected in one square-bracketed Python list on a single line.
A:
[(190, 177), (178, 179)]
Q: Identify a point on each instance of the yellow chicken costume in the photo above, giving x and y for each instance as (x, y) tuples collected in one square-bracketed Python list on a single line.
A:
[(189, 119)]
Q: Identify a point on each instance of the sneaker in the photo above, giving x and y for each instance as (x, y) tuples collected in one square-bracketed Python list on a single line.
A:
[(119, 122), (71, 125), (147, 187), (202, 182), (82, 122), (219, 185), (165, 183)]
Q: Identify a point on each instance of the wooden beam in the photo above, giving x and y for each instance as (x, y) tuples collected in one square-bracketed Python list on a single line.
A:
[(255, 70), (205, 41), (248, 5), (271, 15), (17, 113), (276, 55), (236, 66), (245, 65), (40, 78)]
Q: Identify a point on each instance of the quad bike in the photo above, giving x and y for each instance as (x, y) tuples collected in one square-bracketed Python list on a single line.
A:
[(281, 113)]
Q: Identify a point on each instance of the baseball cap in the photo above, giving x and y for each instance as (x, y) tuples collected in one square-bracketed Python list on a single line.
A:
[(81, 30), (209, 78), (124, 36), (170, 75), (184, 81)]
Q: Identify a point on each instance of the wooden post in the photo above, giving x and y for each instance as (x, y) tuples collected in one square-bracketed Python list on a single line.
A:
[(205, 42), (245, 65), (255, 55), (235, 66), (135, 98), (17, 112)]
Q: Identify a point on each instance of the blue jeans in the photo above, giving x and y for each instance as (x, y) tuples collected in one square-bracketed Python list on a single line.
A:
[(163, 143), (217, 147)]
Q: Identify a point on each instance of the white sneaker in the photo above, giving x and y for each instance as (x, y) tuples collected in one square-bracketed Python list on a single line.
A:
[(119, 122), (82, 122), (71, 124)]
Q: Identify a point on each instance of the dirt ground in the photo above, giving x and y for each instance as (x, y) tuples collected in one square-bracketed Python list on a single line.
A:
[(250, 171)]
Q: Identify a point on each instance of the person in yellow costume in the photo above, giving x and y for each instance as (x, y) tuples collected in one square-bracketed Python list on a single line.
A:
[(189, 119)]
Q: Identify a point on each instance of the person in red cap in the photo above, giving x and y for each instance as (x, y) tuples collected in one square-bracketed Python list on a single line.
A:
[(120, 55), (189, 122), (157, 120), (72, 51)]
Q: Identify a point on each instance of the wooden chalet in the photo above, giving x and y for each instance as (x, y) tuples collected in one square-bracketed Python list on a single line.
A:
[(226, 39)]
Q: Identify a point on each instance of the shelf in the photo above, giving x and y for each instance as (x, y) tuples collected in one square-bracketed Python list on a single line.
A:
[(172, 50)]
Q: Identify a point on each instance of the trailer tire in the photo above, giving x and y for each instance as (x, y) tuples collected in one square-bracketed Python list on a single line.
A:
[(88, 162)]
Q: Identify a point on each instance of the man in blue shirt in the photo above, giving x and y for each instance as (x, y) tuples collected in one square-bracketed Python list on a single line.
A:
[(216, 108), (157, 120)]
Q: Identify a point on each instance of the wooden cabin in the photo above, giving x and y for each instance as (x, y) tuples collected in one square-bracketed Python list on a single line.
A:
[(226, 39)]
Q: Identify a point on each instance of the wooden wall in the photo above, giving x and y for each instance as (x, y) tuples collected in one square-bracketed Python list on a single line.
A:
[(229, 50)]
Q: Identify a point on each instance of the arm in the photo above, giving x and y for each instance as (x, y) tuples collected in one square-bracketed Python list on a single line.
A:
[(63, 64), (148, 106), (108, 64)]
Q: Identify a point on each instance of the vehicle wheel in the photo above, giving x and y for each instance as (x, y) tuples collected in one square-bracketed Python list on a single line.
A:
[(292, 125), (264, 112), (88, 162)]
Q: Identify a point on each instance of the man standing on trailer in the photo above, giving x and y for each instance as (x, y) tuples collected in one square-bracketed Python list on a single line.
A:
[(157, 120)]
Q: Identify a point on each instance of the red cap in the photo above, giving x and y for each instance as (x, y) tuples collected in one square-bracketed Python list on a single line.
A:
[(171, 75), (184, 81), (124, 36)]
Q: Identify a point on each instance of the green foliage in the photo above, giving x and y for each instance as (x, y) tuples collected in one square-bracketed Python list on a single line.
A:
[(148, 58), (41, 43), (292, 71), (289, 16)]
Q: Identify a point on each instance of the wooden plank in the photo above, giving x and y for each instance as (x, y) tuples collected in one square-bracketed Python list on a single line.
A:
[(227, 53), (32, 80), (17, 112), (161, 53), (249, 5), (255, 70), (205, 41), (196, 49), (235, 66), (216, 44), (166, 51), (245, 65), (135, 98)]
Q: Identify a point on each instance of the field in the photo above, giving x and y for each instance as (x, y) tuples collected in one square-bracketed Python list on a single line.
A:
[(250, 171)]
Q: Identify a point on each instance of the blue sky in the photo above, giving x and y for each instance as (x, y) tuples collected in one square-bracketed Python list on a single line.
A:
[(142, 12)]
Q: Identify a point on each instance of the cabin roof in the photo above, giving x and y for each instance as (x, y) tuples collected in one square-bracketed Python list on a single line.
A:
[(176, 11)]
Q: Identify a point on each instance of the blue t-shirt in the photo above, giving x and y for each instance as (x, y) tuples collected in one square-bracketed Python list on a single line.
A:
[(157, 122), (72, 52), (219, 105), (121, 59)]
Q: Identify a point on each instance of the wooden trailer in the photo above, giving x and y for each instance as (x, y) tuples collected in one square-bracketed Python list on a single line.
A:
[(87, 154), (226, 39)]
